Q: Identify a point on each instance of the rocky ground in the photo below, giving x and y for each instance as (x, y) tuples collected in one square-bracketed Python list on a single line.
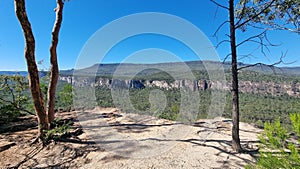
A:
[(112, 139)]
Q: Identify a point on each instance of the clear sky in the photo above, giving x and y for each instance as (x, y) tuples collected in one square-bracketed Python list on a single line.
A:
[(83, 18)]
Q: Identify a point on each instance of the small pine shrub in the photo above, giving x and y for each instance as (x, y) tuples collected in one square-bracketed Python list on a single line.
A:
[(276, 153), (275, 135), (295, 119)]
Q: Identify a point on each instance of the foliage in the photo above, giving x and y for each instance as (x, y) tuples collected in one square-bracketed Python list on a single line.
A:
[(60, 128), (259, 108), (277, 77), (44, 82), (139, 98), (278, 14), (275, 135), (14, 97), (84, 97), (277, 153), (64, 93), (171, 113), (255, 108), (65, 97), (295, 118), (103, 96)]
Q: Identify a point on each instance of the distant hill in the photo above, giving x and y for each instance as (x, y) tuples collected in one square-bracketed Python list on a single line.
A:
[(291, 70), (107, 70), (149, 69), (21, 73)]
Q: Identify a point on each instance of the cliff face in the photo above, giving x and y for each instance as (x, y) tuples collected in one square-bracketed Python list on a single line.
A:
[(290, 88)]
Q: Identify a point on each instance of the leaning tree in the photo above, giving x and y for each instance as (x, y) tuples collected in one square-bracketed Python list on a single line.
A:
[(45, 115)]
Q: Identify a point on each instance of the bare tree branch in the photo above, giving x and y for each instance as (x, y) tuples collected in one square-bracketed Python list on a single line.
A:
[(219, 5), (250, 38), (272, 66), (262, 41), (218, 29), (220, 43), (226, 57), (246, 56), (216, 12), (277, 26)]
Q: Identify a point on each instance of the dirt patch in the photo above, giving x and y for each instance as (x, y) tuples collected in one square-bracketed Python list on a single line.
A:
[(67, 153), (112, 139)]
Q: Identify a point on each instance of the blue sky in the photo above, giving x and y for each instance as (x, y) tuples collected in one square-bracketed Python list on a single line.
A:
[(83, 18)]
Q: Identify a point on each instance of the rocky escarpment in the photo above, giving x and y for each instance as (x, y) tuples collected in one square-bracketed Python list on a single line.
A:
[(272, 88)]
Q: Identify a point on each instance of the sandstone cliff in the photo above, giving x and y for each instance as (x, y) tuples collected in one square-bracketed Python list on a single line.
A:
[(273, 88)]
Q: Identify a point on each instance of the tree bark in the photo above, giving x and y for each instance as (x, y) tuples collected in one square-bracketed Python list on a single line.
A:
[(236, 145), (33, 74), (54, 72)]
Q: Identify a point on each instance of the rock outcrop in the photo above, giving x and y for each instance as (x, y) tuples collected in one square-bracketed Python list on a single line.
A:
[(272, 88)]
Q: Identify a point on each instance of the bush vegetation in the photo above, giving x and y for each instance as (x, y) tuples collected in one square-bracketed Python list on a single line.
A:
[(59, 129), (14, 98), (277, 147), (254, 108)]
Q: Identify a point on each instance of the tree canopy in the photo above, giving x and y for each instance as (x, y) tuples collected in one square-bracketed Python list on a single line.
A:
[(273, 14)]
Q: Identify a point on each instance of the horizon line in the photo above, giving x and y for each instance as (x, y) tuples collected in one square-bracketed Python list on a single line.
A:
[(167, 62)]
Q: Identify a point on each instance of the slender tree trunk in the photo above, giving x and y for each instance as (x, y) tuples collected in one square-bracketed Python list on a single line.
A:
[(33, 74), (236, 145), (54, 72)]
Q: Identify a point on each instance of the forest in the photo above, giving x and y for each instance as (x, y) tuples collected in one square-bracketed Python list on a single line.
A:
[(255, 108)]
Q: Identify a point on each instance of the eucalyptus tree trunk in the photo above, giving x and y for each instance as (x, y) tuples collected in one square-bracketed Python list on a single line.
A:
[(236, 145), (33, 74), (54, 72)]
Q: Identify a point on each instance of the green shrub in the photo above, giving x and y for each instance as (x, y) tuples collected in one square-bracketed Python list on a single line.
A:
[(275, 135), (14, 97), (276, 153), (65, 97), (171, 113), (8, 113), (295, 119), (60, 128)]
